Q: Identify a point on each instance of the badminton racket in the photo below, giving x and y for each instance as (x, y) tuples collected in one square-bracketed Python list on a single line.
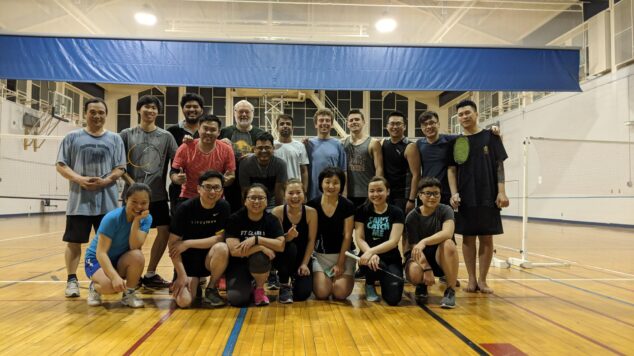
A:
[(146, 159), (382, 266)]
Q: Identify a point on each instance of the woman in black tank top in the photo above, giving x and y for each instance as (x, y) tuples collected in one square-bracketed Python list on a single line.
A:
[(300, 229)]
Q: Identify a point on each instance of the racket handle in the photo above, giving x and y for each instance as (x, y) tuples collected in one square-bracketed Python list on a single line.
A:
[(352, 255)]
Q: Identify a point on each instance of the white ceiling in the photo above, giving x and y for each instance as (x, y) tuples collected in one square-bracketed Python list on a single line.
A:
[(454, 22)]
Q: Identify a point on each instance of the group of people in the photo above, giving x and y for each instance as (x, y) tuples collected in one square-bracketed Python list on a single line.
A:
[(242, 204)]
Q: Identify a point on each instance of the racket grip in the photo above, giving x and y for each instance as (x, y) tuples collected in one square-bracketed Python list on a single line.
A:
[(352, 255)]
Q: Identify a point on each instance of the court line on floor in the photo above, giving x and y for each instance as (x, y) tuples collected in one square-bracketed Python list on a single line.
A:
[(29, 236), (149, 333), (235, 332), (33, 259), (474, 346), (575, 287), (575, 304), (37, 275), (587, 338), (604, 282)]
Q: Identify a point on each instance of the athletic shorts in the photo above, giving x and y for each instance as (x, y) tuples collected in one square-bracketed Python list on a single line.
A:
[(478, 221), (91, 266), (323, 262), (195, 262), (357, 202), (160, 212), (430, 256), (78, 227)]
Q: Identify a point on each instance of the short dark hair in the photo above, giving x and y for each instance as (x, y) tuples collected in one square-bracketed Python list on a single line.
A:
[(426, 182), (192, 97), (138, 187), (284, 117), (330, 172), (427, 115), (396, 113), (149, 99), (212, 118), (324, 112), (255, 185), (467, 102), (264, 136), (356, 111), (93, 101), (211, 174)]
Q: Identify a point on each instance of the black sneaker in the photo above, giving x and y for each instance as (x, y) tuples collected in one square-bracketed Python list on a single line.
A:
[(212, 297), (421, 292), (155, 282), (273, 282), (449, 299), (443, 280), (286, 294)]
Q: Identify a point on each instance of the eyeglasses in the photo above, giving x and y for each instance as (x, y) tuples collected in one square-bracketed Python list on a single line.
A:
[(254, 198), (430, 194), (429, 123), (395, 123), (212, 188)]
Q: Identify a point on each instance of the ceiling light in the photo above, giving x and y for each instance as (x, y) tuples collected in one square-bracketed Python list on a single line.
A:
[(145, 17), (385, 24)]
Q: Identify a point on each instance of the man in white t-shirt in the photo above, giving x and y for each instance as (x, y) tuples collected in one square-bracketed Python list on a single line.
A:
[(291, 151)]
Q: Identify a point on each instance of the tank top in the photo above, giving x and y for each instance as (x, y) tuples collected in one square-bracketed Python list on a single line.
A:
[(302, 229), (396, 168), (360, 167)]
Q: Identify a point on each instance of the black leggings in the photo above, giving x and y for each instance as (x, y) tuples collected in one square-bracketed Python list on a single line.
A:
[(391, 288), (239, 278), (287, 263)]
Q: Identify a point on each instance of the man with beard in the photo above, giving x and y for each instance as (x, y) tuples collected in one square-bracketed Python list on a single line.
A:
[(192, 107), (291, 151), (241, 136), (91, 159)]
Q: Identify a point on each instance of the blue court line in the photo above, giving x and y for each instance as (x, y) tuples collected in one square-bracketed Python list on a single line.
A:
[(235, 332), (445, 323), (577, 288)]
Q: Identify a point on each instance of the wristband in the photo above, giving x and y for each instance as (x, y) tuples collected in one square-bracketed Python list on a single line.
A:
[(427, 269), (411, 200), (256, 240)]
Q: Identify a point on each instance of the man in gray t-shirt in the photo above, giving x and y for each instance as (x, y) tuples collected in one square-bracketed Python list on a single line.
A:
[(429, 248), (92, 159), (263, 167), (291, 151), (148, 107)]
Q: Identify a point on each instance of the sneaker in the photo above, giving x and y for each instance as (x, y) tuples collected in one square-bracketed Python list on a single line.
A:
[(212, 297), (443, 280), (359, 274), (72, 289), (421, 291), (94, 298), (370, 294), (130, 299), (286, 294), (260, 297), (273, 282), (449, 299), (155, 282)]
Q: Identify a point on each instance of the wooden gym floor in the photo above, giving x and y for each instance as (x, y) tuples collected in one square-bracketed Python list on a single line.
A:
[(586, 307)]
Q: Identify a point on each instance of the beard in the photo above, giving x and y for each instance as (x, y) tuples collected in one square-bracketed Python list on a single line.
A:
[(192, 121)]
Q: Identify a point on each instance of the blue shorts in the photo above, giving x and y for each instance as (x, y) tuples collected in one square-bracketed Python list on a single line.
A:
[(91, 265)]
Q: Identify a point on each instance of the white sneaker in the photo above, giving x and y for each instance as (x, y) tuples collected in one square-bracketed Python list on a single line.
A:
[(72, 289), (94, 298), (130, 299)]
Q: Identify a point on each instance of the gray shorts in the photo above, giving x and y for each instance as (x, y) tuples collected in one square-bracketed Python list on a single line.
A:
[(325, 261)]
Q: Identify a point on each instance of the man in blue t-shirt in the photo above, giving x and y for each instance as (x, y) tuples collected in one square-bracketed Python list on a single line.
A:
[(91, 159)]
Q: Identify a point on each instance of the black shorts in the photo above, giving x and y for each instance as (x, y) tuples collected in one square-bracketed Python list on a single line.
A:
[(478, 221), (194, 262), (78, 227), (430, 256), (160, 212), (401, 203), (357, 202)]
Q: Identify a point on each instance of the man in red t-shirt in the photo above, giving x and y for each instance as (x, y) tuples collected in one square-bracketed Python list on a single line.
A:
[(202, 154)]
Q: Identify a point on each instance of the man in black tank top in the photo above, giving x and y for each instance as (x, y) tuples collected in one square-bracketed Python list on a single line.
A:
[(401, 163)]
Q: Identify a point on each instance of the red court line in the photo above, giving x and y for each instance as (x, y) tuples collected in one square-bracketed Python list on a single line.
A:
[(573, 303), (598, 343), (151, 331), (503, 350)]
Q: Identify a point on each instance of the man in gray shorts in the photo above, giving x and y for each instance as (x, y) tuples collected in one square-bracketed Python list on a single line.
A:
[(92, 159)]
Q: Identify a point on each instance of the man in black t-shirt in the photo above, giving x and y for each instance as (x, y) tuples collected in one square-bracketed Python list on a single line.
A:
[(478, 193), (430, 250), (196, 243)]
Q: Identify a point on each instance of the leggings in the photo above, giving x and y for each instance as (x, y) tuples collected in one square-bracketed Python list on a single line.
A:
[(391, 288), (287, 263)]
